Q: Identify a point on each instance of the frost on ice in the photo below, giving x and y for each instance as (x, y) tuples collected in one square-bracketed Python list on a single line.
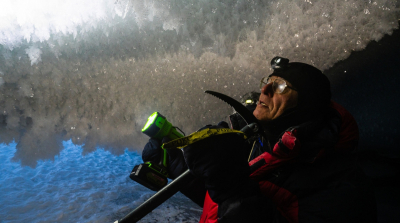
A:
[(102, 67)]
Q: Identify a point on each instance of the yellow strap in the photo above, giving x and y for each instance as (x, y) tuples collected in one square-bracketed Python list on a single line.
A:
[(197, 136)]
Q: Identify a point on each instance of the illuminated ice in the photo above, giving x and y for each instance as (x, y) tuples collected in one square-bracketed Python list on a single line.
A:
[(102, 67), (92, 71), (34, 54)]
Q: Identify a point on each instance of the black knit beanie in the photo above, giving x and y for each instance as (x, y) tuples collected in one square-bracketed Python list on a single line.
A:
[(311, 84), (314, 96)]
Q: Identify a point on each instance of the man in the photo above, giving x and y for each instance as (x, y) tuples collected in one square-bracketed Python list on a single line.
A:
[(305, 169)]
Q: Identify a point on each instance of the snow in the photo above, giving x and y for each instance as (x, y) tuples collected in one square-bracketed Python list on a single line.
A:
[(34, 54), (92, 71)]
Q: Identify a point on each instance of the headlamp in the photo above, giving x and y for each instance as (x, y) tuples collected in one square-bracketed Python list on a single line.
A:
[(279, 62)]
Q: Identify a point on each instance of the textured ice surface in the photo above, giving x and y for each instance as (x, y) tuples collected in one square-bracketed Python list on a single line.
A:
[(33, 54), (93, 71), (76, 188)]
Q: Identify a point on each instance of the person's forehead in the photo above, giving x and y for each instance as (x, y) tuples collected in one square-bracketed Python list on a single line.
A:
[(273, 77)]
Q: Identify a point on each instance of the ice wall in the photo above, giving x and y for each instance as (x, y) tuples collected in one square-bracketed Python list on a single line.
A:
[(92, 71)]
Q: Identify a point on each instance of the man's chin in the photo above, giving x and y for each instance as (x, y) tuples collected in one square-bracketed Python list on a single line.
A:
[(261, 116)]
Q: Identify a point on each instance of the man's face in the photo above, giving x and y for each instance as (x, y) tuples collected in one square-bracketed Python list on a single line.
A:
[(271, 104)]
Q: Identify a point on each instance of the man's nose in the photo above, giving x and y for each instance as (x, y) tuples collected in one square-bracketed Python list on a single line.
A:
[(267, 90)]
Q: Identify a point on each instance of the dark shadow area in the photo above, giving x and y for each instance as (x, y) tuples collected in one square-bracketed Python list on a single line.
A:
[(367, 84)]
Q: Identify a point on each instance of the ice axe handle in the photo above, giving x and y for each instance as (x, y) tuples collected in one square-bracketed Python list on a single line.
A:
[(158, 198)]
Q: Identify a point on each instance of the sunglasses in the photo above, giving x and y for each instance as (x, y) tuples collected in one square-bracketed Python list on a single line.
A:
[(278, 85)]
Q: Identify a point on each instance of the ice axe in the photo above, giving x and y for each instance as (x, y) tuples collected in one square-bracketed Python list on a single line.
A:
[(253, 128)]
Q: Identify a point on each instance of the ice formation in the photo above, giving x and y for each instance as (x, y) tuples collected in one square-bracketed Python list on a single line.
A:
[(92, 71), (76, 188)]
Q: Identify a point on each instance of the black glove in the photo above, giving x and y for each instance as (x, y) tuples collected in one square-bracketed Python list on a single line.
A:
[(237, 122), (221, 161), (152, 152)]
